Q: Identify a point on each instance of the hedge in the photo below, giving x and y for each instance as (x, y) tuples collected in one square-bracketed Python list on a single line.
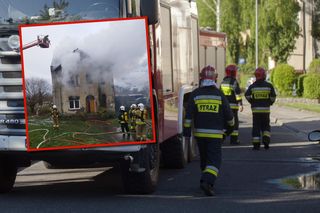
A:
[(314, 66), (247, 68), (284, 77), (300, 86), (311, 86)]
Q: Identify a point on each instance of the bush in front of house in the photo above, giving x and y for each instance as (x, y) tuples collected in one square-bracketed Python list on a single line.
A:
[(311, 85), (300, 86), (314, 66), (247, 68), (284, 76)]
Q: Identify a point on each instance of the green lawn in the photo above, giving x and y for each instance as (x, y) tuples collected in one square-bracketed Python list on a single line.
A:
[(302, 106), (73, 132)]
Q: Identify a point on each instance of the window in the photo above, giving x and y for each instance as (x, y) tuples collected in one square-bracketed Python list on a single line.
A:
[(74, 80), (74, 102)]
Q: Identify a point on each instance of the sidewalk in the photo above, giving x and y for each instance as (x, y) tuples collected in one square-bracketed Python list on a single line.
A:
[(299, 121)]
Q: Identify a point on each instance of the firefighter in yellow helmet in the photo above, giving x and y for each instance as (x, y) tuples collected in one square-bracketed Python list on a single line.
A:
[(55, 117), (209, 112), (141, 127)]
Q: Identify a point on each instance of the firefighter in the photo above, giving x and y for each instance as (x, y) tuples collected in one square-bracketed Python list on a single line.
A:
[(230, 88), (209, 111), (55, 117), (123, 120), (261, 95), (141, 127), (132, 117)]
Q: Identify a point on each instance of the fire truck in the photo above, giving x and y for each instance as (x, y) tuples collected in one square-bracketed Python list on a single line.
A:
[(175, 60)]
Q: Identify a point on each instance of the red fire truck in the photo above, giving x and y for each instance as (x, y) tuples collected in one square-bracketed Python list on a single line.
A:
[(174, 48)]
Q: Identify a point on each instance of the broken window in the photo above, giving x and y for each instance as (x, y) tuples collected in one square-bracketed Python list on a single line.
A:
[(74, 102), (88, 79)]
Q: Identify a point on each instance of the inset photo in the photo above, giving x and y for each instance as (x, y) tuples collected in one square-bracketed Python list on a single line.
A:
[(87, 84)]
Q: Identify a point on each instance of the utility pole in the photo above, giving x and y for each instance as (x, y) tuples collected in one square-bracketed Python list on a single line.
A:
[(218, 14), (257, 49)]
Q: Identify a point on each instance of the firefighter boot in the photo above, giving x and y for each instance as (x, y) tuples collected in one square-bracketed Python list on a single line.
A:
[(266, 141), (207, 188), (256, 146)]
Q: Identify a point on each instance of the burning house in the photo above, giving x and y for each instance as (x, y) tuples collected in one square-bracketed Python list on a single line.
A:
[(84, 86)]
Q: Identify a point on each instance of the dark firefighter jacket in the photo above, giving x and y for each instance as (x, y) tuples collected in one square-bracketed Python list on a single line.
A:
[(211, 113), (261, 96), (123, 117), (231, 90)]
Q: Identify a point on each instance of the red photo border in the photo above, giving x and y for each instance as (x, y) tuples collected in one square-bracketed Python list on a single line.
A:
[(29, 149)]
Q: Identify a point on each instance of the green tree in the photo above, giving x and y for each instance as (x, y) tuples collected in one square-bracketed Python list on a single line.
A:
[(316, 20), (279, 27), (230, 17), (44, 13), (207, 17)]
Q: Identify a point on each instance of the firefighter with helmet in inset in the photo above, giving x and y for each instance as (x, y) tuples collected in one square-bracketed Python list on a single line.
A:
[(209, 112), (261, 95), (123, 120), (132, 117), (55, 117), (141, 126), (230, 88)]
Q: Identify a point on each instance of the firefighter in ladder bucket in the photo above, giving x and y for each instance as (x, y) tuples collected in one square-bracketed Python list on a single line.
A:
[(55, 117), (141, 127), (209, 111)]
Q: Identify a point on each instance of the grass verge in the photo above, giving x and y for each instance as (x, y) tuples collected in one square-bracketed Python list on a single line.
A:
[(302, 106)]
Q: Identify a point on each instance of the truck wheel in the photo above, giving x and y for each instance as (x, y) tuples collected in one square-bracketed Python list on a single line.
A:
[(144, 182), (8, 173), (175, 153)]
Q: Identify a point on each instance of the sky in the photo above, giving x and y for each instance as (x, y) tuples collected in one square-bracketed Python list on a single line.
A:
[(120, 45)]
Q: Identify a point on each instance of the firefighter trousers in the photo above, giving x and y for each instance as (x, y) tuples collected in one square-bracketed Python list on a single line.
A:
[(210, 158), (260, 127), (124, 127), (235, 134), (141, 131)]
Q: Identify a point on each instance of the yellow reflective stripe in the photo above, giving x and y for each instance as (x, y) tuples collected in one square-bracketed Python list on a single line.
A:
[(266, 133), (187, 125), (261, 111), (234, 107), (238, 97), (234, 133), (211, 171), (208, 101), (255, 140), (208, 135)]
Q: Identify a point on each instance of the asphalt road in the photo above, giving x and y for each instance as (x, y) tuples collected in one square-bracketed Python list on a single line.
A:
[(248, 182)]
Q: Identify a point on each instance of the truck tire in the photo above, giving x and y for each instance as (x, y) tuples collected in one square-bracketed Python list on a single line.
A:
[(175, 153), (144, 182), (8, 174)]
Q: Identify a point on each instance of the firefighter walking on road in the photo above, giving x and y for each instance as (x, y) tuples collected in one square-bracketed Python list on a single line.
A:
[(141, 127), (261, 96), (230, 88), (209, 111), (123, 120), (55, 117)]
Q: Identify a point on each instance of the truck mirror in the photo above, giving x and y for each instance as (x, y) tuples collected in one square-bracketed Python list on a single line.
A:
[(314, 135), (149, 8)]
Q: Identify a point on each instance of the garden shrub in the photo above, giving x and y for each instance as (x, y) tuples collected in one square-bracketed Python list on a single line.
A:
[(312, 86), (314, 66), (284, 77), (300, 86)]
